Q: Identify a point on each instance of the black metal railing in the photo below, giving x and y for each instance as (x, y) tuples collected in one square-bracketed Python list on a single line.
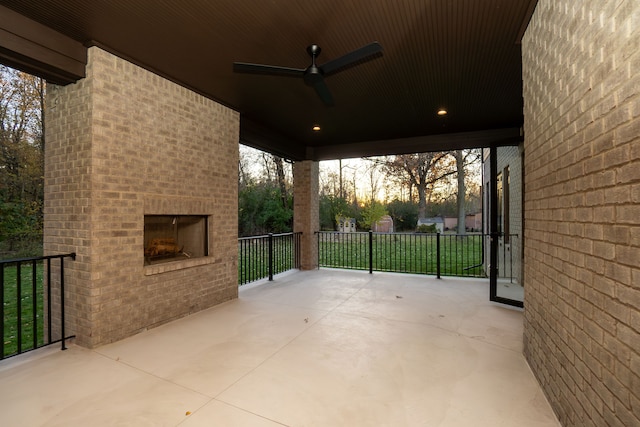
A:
[(264, 256), (508, 245), (438, 254), (27, 293)]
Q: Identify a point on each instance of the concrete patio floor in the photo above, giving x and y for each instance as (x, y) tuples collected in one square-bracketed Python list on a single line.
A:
[(317, 348)]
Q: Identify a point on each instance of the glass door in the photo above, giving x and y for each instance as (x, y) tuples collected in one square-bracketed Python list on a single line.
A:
[(505, 218)]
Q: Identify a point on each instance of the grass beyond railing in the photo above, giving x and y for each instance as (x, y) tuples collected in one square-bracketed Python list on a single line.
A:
[(25, 296), (20, 323), (263, 256), (438, 254)]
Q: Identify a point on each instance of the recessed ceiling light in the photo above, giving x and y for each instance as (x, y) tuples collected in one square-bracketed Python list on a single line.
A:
[(316, 128), (442, 112)]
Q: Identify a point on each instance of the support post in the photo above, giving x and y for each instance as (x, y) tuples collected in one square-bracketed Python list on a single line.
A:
[(306, 219)]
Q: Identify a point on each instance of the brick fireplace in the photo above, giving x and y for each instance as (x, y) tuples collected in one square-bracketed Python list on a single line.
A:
[(125, 148)]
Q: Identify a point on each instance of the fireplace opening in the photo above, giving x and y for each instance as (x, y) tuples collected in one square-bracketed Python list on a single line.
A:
[(174, 237)]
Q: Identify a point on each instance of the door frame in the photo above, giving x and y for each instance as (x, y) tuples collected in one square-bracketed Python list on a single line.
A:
[(494, 234)]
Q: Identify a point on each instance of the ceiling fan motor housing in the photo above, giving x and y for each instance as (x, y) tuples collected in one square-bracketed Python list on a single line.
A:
[(312, 75)]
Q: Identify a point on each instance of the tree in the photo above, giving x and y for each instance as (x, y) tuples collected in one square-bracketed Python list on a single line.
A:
[(282, 184), (260, 210), (333, 206), (244, 169), (21, 159), (372, 212), (462, 229), (21, 227), (265, 199), (420, 171), (373, 178), (404, 214), (464, 159)]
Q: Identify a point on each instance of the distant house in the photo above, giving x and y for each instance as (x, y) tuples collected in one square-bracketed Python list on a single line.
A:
[(450, 222), (473, 222), (346, 225), (439, 223), (383, 225)]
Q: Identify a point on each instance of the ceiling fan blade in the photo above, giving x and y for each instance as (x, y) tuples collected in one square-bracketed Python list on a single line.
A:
[(323, 92), (367, 52), (243, 67)]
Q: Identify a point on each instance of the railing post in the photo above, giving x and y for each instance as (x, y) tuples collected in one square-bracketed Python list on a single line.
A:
[(318, 235), (270, 257), (62, 336), (370, 251), (19, 304), (34, 303), (298, 249), (1, 311), (49, 332), (438, 255)]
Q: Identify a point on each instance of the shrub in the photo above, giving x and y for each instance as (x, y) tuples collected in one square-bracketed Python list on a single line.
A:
[(424, 228)]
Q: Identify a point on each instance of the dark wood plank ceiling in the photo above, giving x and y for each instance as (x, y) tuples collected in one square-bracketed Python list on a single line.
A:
[(463, 55)]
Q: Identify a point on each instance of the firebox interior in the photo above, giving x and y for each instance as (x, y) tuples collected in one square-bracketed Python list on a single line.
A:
[(174, 237)]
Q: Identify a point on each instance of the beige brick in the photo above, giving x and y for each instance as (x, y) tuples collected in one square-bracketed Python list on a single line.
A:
[(628, 255), (581, 108), (629, 337), (135, 137), (604, 250), (617, 156), (605, 214), (617, 234), (628, 173), (635, 406), (618, 194), (628, 213), (628, 295), (635, 193), (630, 130)]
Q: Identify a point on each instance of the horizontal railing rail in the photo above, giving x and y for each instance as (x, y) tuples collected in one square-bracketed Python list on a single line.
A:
[(26, 294), (420, 253), (263, 256)]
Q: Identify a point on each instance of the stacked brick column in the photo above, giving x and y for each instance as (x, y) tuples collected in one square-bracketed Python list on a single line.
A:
[(123, 143), (306, 210), (581, 62)]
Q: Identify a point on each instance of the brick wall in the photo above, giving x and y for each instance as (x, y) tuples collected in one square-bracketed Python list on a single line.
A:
[(123, 143), (67, 199), (582, 208), (306, 211)]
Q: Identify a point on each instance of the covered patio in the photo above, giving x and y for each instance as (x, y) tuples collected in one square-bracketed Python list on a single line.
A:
[(145, 113), (315, 348)]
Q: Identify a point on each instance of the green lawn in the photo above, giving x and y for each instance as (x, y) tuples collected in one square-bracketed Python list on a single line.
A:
[(253, 258), (397, 252), (404, 253), (29, 302)]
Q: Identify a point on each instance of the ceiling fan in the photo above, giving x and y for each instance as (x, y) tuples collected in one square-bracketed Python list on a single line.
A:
[(314, 74)]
